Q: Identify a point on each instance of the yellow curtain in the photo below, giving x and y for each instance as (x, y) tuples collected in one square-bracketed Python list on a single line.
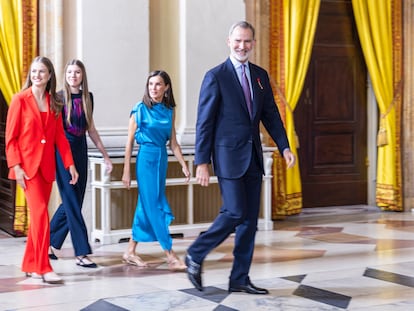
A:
[(18, 33), (379, 29), (11, 37), (293, 25)]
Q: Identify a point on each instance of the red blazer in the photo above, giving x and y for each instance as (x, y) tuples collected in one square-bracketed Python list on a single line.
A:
[(31, 144)]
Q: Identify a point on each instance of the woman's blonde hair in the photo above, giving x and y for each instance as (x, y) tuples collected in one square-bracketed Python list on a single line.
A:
[(86, 98)]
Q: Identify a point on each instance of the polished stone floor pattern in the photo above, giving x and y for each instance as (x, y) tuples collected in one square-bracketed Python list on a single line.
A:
[(342, 258)]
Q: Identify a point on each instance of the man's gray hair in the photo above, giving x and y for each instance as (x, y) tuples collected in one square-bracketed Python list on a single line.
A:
[(242, 24)]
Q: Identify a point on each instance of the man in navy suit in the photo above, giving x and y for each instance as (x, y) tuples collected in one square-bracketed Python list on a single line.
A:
[(228, 135)]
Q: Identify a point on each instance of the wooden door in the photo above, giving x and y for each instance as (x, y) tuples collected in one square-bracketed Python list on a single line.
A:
[(331, 114)]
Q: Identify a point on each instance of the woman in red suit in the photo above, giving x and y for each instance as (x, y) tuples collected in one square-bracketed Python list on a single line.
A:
[(34, 127)]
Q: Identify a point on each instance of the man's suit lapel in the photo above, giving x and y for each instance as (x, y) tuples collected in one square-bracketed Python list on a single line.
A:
[(236, 84), (256, 87)]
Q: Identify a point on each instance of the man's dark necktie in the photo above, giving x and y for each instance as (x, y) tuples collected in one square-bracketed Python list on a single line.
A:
[(246, 89)]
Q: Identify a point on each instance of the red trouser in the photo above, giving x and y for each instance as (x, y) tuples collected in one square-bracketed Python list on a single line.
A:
[(36, 257)]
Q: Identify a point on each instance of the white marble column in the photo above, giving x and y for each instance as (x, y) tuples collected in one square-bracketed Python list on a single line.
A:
[(51, 46), (51, 34)]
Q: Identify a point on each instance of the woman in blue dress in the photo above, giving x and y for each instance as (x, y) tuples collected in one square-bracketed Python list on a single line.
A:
[(151, 125), (77, 120)]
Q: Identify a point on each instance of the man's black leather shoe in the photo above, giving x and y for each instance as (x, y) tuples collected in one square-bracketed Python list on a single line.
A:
[(194, 272), (249, 288)]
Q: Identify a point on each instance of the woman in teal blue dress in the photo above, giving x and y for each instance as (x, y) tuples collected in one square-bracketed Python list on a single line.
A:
[(151, 125)]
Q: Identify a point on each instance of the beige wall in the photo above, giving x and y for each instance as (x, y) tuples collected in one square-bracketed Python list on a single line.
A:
[(120, 41), (112, 39)]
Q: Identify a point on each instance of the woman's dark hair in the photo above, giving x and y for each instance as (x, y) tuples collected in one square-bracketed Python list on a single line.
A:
[(55, 100), (168, 100)]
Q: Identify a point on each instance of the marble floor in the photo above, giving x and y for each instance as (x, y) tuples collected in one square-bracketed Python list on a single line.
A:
[(343, 258)]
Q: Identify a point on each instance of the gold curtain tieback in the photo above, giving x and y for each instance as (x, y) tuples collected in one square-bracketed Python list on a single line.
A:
[(382, 139)]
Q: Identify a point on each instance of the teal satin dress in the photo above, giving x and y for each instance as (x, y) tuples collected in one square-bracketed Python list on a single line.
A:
[(153, 213)]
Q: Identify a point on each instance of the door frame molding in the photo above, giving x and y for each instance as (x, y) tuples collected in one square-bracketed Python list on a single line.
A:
[(407, 117), (372, 130)]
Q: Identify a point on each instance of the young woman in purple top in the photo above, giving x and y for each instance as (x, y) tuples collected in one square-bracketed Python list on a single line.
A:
[(77, 120)]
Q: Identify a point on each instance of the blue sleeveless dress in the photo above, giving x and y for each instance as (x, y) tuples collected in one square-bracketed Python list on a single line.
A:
[(153, 213)]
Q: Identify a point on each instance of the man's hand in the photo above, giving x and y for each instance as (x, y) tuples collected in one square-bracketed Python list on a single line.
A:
[(289, 158), (202, 175)]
